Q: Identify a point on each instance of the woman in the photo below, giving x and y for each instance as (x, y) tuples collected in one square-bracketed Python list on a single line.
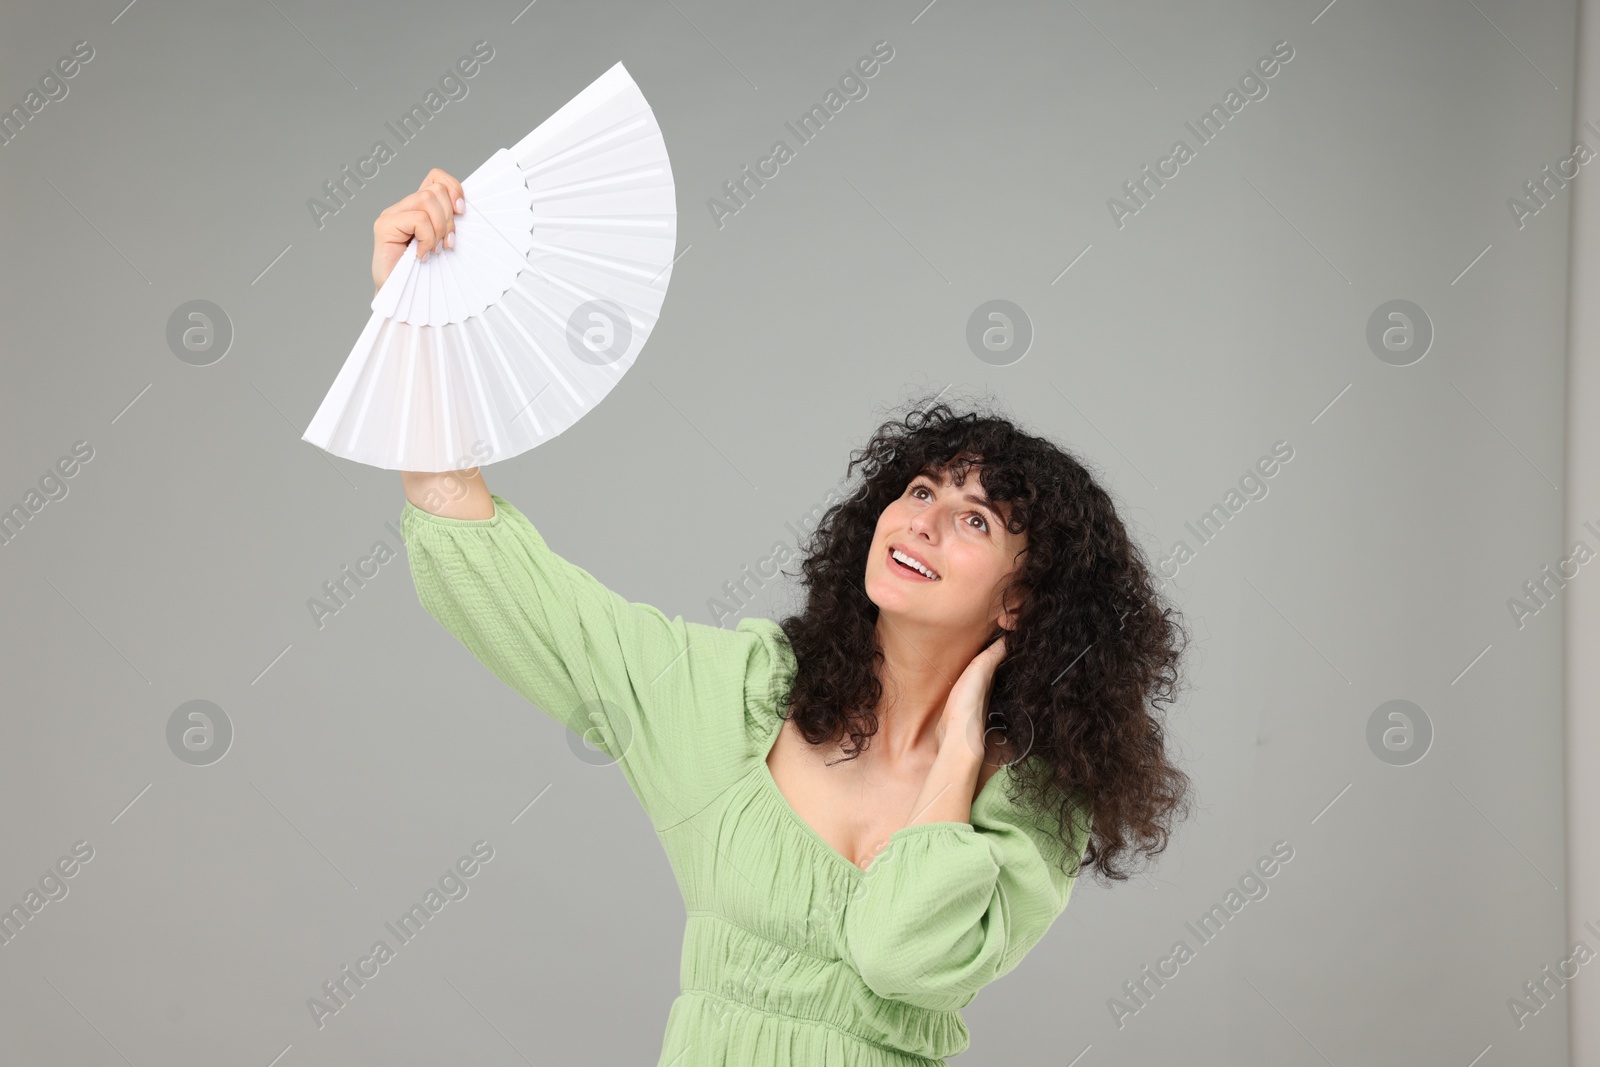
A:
[(878, 806)]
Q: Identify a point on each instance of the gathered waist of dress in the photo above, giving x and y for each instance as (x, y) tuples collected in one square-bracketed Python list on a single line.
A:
[(740, 967)]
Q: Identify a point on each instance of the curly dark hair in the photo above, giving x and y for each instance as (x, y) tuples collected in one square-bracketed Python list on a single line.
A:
[(1094, 652)]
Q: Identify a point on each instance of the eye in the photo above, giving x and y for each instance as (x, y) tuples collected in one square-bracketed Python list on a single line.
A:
[(983, 521)]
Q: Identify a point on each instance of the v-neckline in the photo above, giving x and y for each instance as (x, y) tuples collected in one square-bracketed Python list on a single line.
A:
[(771, 783)]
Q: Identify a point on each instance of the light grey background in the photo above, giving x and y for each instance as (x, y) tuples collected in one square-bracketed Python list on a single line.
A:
[(1229, 314)]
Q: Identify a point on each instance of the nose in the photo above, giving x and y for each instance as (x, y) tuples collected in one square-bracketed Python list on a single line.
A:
[(925, 521)]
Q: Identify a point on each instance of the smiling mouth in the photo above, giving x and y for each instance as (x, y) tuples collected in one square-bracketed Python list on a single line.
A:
[(907, 569)]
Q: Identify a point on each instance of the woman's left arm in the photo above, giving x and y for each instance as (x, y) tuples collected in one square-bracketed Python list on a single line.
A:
[(946, 907), (949, 790)]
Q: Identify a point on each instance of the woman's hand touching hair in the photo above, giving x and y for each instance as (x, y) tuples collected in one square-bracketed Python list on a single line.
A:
[(966, 708), (957, 774)]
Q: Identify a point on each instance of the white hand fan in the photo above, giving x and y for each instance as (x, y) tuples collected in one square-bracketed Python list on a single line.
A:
[(560, 265)]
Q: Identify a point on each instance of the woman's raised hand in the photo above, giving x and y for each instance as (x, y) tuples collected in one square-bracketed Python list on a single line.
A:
[(429, 215), (965, 709)]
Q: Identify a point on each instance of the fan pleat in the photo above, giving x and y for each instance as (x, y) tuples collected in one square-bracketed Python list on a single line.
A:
[(590, 152), (482, 410)]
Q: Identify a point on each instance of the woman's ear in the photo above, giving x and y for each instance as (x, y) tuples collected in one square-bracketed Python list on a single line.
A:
[(1008, 616)]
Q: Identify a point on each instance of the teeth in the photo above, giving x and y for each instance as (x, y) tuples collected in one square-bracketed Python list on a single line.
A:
[(914, 565)]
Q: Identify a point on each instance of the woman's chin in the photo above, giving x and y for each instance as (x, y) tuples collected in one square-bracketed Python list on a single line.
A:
[(894, 606)]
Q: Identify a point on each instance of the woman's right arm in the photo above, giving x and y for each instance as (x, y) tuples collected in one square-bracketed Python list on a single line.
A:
[(452, 494), (682, 707), (429, 216)]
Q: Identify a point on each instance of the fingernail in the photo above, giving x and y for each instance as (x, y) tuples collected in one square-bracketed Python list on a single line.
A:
[(450, 239), (460, 205)]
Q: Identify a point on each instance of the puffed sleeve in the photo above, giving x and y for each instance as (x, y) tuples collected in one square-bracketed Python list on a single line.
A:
[(948, 907), (680, 706)]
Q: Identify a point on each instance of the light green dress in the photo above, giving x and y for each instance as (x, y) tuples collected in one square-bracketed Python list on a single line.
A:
[(793, 956)]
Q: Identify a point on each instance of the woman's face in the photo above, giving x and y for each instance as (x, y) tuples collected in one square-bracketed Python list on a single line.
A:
[(955, 531)]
